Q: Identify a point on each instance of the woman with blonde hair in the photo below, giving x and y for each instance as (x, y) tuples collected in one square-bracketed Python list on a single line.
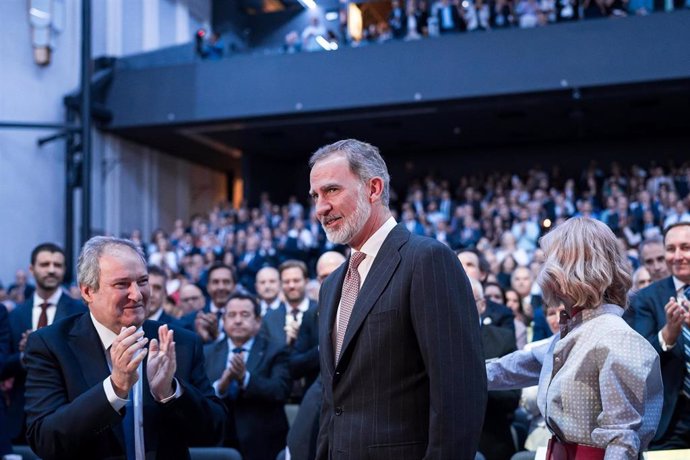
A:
[(600, 389)]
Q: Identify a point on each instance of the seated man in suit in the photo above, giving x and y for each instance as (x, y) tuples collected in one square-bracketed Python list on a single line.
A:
[(48, 304), (157, 281), (476, 268), (94, 390), (251, 375), (283, 323), (662, 317), (267, 285), (496, 441)]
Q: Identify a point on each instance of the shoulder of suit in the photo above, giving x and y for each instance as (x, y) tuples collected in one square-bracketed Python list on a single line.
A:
[(655, 289)]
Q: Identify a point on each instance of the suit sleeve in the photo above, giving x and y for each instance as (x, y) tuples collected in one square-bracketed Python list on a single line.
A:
[(305, 355), (446, 324), (646, 324), (198, 409), (274, 387), (55, 425)]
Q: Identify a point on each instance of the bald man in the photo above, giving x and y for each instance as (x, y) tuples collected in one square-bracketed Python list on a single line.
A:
[(267, 287), (191, 299)]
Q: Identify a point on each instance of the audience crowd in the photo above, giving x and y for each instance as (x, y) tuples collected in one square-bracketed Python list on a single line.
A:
[(493, 220)]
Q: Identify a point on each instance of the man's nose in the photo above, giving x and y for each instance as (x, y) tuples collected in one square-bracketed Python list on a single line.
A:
[(135, 292), (322, 206)]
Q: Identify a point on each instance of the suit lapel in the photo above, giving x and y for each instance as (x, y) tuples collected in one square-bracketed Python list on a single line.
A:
[(26, 316), (88, 351), (256, 355), (381, 271)]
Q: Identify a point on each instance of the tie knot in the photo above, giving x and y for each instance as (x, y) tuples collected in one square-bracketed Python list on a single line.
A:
[(238, 350), (44, 306), (355, 259)]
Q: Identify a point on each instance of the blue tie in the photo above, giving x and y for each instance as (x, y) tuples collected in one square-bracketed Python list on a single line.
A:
[(686, 347), (234, 390), (128, 427)]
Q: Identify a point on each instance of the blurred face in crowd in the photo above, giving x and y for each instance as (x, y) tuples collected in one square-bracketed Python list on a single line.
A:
[(470, 262), (191, 298), (158, 294), (654, 260), (521, 281), (123, 290), (240, 321), (327, 264), (341, 201), (641, 278), (48, 270), (220, 286), (267, 284), (513, 301), (494, 294), (294, 284), (677, 242)]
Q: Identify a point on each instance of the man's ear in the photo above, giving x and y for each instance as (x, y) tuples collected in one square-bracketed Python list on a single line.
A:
[(86, 293), (375, 189)]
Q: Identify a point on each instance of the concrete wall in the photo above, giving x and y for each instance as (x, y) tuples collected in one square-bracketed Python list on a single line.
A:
[(133, 187)]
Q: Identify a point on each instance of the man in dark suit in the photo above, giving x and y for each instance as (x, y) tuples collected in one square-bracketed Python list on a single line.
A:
[(661, 315), (251, 375), (84, 394), (282, 324), (5, 447), (476, 267), (157, 282), (401, 357), (496, 442), (49, 303)]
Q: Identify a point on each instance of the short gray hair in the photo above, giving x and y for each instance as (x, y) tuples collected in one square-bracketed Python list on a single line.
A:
[(88, 267), (364, 160)]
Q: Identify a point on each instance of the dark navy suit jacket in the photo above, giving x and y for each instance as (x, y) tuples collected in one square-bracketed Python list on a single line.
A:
[(20, 321), (648, 305), (257, 425), (410, 382), (69, 415)]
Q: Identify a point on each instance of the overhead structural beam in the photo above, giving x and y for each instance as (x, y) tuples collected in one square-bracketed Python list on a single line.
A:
[(85, 116), (33, 125)]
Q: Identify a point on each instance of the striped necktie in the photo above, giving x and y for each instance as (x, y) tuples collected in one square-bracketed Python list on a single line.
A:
[(686, 347)]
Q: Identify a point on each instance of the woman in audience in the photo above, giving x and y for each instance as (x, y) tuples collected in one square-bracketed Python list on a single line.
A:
[(600, 388), (521, 321)]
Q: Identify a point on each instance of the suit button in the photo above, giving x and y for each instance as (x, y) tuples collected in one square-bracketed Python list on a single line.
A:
[(337, 374), (338, 410)]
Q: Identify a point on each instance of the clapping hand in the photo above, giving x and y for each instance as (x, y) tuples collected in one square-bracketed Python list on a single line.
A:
[(162, 364), (126, 353)]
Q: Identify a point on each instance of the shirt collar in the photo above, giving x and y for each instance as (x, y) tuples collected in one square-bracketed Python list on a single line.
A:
[(52, 300), (247, 345), (106, 335), (679, 285), (568, 324), (303, 305), (372, 246), (156, 316)]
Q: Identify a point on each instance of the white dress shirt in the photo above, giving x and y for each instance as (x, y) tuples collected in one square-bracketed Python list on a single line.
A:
[(50, 311), (107, 338), (231, 346)]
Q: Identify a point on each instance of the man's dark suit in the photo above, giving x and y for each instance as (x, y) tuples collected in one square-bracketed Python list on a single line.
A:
[(410, 382), (304, 360), (20, 321), (257, 425), (650, 317), (5, 447), (500, 315), (496, 442), (69, 415), (273, 323), (304, 431)]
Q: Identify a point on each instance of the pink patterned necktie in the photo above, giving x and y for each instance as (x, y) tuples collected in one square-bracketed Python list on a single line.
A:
[(348, 299)]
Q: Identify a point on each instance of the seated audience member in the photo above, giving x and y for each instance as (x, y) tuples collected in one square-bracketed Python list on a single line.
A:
[(85, 390), (522, 281), (314, 29), (397, 20), (661, 316), (449, 18), (282, 324), (267, 285), (496, 441), (476, 268), (641, 279), (48, 304), (5, 447), (157, 282), (599, 381), (521, 321), (191, 299), (251, 376)]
